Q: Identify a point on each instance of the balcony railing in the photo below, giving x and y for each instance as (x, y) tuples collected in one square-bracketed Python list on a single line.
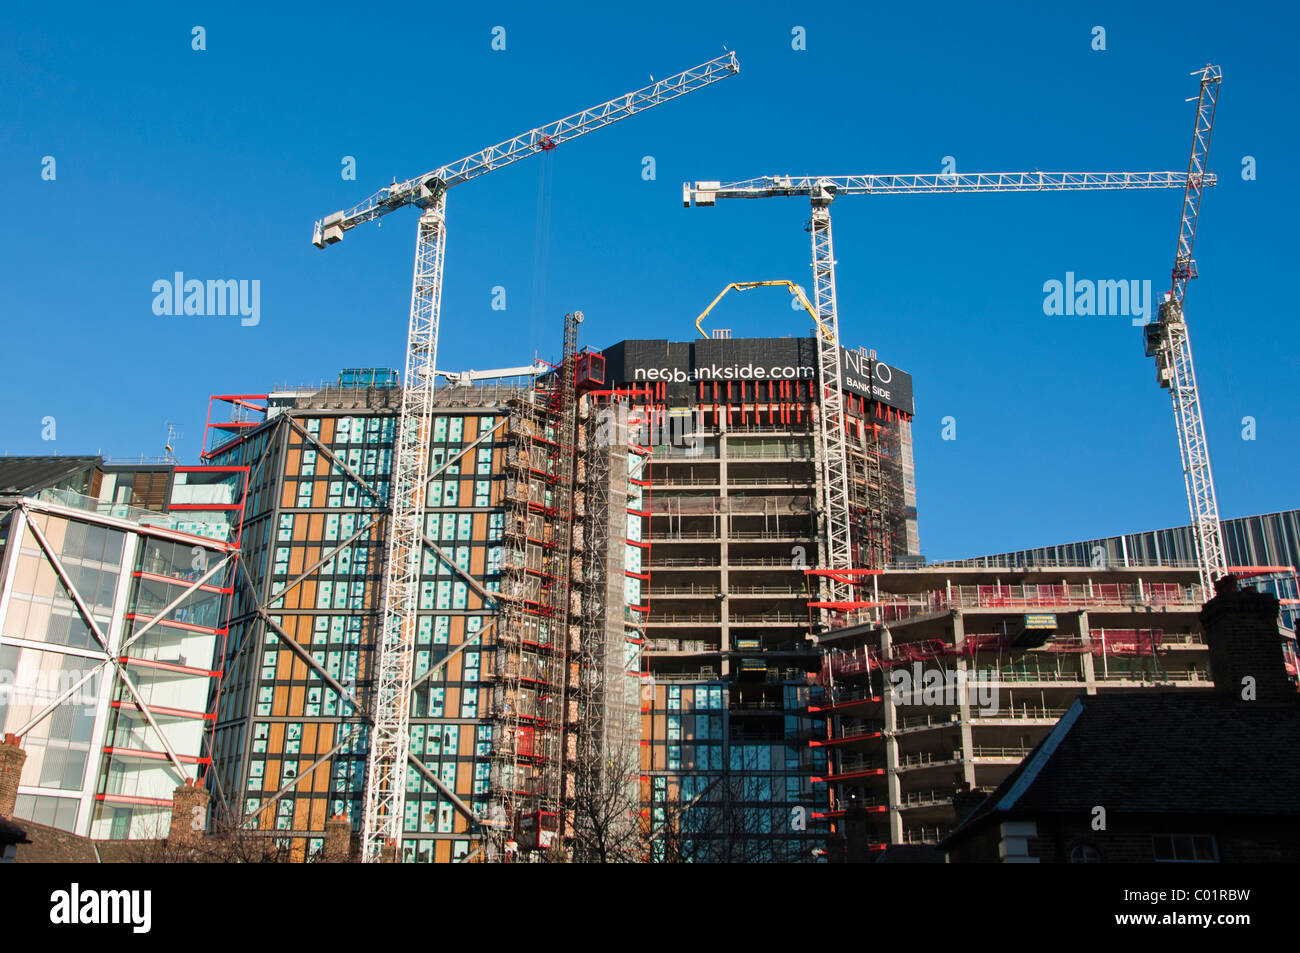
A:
[(924, 835), (920, 759), (927, 721), (714, 562), (931, 798), (1020, 563), (985, 751), (693, 590), (900, 606), (849, 765)]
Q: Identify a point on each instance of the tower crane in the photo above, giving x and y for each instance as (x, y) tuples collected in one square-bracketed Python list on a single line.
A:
[(390, 743), (835, 544), (1167, 341)]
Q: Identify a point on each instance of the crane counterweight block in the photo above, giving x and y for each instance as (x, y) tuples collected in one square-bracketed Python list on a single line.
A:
[(328, 231)]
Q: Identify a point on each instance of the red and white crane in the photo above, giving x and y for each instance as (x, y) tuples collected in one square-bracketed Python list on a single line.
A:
[(390, 743)]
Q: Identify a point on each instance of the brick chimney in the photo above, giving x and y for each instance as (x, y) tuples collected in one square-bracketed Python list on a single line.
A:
[(1241, 629), (855, 833), (338, 840), (964, 801), (12, 757), (189, 814)]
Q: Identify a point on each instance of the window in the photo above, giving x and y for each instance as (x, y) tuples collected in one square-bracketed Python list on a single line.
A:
[(1084, 854), (1184, 849)]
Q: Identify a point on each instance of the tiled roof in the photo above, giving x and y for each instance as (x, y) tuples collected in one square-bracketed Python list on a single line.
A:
[(1157, 754), (24, 475)]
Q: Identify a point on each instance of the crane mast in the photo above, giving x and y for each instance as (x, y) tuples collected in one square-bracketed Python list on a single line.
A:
[(389, 752), (1168, 342), (835, 545)]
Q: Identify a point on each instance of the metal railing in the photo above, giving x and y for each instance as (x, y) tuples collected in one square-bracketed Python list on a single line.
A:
[(715, 562), (931, 798), (848, 765), (921, 759), (927, 721), (1056, 562), (986, 751), (924, 835), (1024, 714), (694, 590)]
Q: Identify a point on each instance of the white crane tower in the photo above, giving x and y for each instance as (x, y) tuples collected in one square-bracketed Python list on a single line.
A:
[(390, 743), (822, 191), (1168, 343)]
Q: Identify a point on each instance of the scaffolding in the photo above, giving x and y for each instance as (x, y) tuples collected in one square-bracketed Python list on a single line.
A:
[(531, 713), (613, 483)]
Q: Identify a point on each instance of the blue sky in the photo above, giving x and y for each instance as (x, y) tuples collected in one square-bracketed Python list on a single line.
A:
[(216, 163)]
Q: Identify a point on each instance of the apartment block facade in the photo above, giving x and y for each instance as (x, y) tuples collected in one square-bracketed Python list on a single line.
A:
[(492, 652)]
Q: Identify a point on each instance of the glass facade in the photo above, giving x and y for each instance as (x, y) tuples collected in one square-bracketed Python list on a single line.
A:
[(94, 764), (730, 784)]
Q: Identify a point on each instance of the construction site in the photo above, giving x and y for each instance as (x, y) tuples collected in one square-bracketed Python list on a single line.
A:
[(652, 601)]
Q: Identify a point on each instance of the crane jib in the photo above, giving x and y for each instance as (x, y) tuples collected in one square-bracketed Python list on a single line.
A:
[(329, 230)]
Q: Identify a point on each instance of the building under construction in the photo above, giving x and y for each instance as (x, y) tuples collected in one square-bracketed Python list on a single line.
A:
[(734, 523), (610, 545), (1268, 543), (948, 679)]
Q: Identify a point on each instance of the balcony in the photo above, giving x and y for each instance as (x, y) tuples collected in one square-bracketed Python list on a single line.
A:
[(924, 835), (920, 760), (920, 799), (1000, 753), (770, 618)]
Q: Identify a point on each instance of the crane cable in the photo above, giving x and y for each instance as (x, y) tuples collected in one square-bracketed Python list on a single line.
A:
[(541, 250)]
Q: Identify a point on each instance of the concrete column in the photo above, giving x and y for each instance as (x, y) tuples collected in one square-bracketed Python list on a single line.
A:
[(963, 702), (1089, 670), (12, 758), (893, 785)]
